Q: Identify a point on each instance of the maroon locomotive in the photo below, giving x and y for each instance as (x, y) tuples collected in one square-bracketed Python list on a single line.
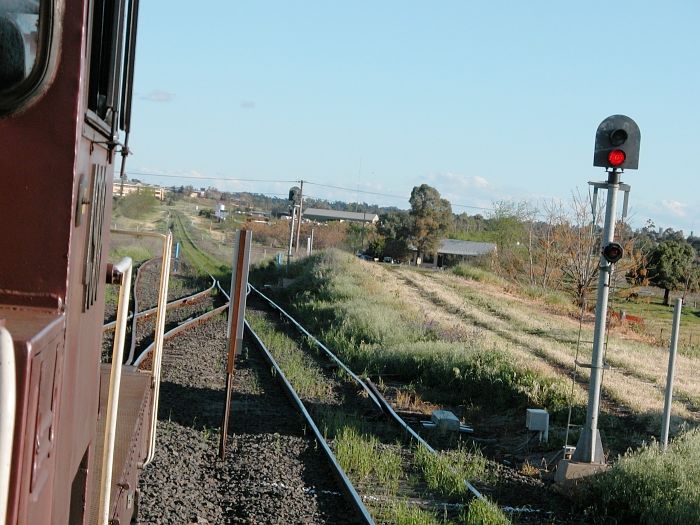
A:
[(66, 69)]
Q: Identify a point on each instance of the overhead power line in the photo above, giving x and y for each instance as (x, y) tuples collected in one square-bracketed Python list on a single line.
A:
[(196, 177), (402, 197), (356, 190), (321, 185)]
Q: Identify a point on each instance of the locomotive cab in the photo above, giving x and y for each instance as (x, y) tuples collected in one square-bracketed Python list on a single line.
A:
[(66, 68)]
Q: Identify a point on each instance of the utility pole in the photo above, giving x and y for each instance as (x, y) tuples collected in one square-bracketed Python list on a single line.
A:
[(294, 208), (294, 204), (301, 209)]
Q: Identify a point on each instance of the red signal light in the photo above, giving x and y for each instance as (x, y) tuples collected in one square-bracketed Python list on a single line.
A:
[(616, 157)]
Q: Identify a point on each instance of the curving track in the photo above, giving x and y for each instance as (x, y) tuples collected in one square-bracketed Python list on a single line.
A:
[(275, 471)]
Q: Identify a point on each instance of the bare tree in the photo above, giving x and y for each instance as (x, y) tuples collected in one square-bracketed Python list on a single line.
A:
[(577, 241)]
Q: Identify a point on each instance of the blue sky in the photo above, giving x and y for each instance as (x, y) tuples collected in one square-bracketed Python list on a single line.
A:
[(486, 101)]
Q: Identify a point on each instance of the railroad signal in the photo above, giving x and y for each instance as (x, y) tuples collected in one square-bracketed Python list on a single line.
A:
[(617, 143), (295, 194), (613, 252)]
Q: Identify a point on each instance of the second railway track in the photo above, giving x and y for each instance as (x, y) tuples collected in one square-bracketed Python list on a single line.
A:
[(399, 475)]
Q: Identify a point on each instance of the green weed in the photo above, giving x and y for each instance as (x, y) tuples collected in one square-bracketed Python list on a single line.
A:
[(483, 512), (649, 486), (403, 513), (305, 375), (361, 455), (446, 472)]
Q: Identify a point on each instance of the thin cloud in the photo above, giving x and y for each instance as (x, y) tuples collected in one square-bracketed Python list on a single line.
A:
[(248, 104), (459, 182), (158, 95), (675, 208)]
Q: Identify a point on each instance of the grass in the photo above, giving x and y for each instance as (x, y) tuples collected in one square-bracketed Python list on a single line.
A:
[(658, 317), (374, 329), (404, 513), (136, 252), (649, 486), (474, 273), (445, 472), (483, 512), (136, 205), (306, 377), (198, 258), (362, 456), (465, 343), (546, 338)]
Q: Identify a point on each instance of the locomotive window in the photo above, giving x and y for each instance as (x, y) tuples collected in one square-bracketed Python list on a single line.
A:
[(25, 27), (105, 57)]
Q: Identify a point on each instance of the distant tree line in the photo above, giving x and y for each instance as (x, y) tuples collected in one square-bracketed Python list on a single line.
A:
[(552, 246)]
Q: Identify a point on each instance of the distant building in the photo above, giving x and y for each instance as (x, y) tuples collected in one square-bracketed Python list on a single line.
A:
[(335, 215), (453, 249), (137, 187)]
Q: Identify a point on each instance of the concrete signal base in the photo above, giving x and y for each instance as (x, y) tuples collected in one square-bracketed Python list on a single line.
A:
[(570, 473)]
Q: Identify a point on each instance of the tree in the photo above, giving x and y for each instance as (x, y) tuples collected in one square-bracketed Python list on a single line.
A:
[(395, 229), (671, 266), (511, 226), (431, 216)]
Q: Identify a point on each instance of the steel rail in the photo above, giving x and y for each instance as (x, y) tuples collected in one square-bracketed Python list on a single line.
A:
[(176, 302), (322, 347), (338, 471), (374, 394), (191, 323)]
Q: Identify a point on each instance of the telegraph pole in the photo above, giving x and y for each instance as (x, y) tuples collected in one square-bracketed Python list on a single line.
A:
[(301, 205), (294, 204)]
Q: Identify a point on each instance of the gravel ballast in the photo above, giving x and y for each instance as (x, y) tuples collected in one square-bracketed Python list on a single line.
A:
[(273, 472)]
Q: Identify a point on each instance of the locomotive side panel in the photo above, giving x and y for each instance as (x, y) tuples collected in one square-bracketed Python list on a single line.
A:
[(57, 158)]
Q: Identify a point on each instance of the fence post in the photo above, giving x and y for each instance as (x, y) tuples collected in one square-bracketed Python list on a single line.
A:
[(671, 371)]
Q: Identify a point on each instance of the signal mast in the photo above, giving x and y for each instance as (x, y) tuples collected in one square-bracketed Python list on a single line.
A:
[(616, 149)]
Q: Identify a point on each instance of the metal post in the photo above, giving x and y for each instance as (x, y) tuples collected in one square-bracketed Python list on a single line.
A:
[(312, 242), (236, 313), (291, 235), (301, 204), (158, 350), (123, 270), (671, 372), (589, 448)]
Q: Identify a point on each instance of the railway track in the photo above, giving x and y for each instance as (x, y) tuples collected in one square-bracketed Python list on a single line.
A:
[(275, 471), (399, 475), (180, 309)]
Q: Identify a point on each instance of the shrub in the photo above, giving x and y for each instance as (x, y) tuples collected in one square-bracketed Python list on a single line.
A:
[(649, 486)]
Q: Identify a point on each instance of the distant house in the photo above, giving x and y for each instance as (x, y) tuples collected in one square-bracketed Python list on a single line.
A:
[(335, 215), (453, 249)]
